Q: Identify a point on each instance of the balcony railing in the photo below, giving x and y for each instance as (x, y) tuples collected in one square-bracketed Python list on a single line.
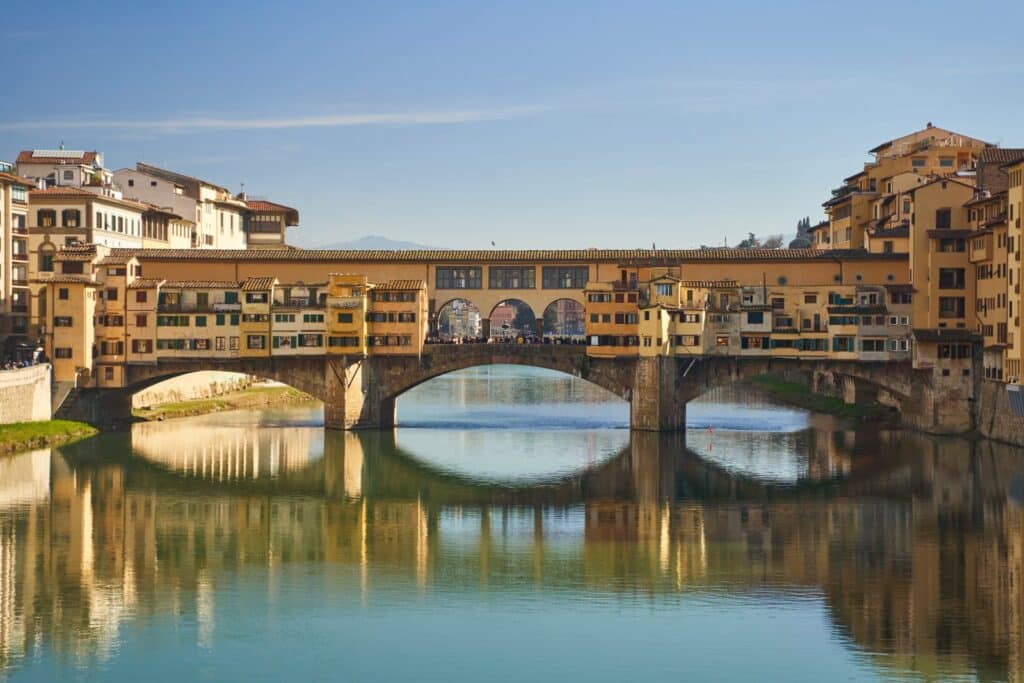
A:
[(20, 257)]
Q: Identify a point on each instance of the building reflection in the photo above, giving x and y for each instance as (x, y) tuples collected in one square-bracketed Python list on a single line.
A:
[(916, 550)]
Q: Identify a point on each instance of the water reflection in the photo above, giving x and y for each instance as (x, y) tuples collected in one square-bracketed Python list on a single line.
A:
[(169, 542)]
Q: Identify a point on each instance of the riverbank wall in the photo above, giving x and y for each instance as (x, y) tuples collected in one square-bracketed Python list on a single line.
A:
[(994, 417), (25, 394)]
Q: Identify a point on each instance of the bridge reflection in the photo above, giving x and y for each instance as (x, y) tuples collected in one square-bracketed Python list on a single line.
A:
[(917, 530)]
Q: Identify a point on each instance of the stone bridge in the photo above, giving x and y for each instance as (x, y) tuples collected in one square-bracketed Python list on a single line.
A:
[(361, 392)]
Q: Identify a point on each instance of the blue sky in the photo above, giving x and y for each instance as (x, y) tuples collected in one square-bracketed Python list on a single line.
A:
[(534, 124)]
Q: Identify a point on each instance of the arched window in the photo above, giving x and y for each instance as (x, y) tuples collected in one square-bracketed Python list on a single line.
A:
[(46, 218), (71, 218), (46, 258)]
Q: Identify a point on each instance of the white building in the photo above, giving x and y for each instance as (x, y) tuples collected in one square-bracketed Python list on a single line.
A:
[(219, 217)]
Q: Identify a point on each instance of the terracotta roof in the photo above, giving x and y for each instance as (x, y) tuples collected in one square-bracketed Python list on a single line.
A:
[(17, 180), (174, 176), (442, 257), (64, 278), (991, 174), (145, 283), (400, 285), (27, 157), (200, 284), (946, 335), (114, 260), (998, 220), (61, 192), (263, 206), (80, 252), (258, 284)]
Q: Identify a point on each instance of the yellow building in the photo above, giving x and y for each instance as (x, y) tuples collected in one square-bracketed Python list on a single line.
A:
[(397, 317), (612, 311), (1013, 371), (69, 302), (257, 293), (346, 314)]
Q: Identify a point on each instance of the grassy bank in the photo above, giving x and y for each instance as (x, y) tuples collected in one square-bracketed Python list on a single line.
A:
[(255, 397), (24, 436), (799, 395)]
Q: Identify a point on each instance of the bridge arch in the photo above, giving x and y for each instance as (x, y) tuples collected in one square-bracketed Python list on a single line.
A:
[(566, 359)]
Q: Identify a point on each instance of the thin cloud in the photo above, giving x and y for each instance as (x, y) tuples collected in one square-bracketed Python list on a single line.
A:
[(188, 124)]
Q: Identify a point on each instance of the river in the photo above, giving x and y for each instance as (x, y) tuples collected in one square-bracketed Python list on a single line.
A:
[(511, 528)]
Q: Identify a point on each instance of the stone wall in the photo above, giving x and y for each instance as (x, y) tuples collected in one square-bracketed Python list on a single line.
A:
[(25, 394), (994, 417), (197, 385)]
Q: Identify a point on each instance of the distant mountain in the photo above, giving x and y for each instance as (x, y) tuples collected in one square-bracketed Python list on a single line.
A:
[(374, 242)]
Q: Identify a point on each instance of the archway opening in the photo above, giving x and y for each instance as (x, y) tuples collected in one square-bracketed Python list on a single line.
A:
[(565, 320), (511, 423), (459, 320), (512, 320)]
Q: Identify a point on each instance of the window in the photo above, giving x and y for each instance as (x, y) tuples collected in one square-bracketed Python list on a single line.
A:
[(887, 246), (62, 353), (943, 219), (231, 297), (722, 340), (810, 298), (62, 321), (343, 341), (252, 318), (504, 277), (755, 317), (918, 162), (406, 317), (951, 307), (111, 294), (256, 297), (312, 317), (202, 299), (778, 303), (872, 345), (218, 343), (599, 298), (141, 321), (142, 346), (62, 293), (664, 289), (200, 321), (946, 162), (464, 277), (45, 262), (565, 277), (232, 343), (110, 348), (954, 351), (255, 341), (344, 317), (71, 218), (284, 317), (141, 296), (46, 218), (951, 278)]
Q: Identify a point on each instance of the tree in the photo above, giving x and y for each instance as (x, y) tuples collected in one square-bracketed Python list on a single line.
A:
[(773, 242), (750, 243)]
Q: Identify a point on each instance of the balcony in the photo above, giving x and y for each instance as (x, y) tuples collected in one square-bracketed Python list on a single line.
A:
[(19, 230), (19, 282), (19, 257), (19, 308)]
